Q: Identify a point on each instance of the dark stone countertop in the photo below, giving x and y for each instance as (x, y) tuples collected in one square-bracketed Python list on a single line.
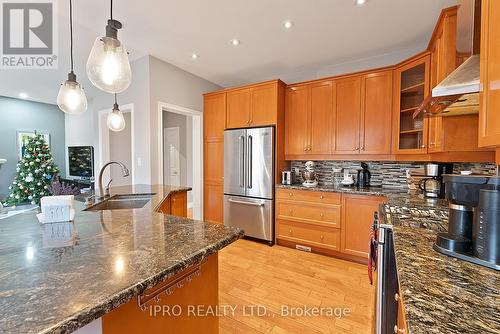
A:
[(395, 197), (442, 294), (57, 285)]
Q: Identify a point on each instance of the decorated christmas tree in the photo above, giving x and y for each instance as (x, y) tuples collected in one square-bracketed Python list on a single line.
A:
[(34, 173)]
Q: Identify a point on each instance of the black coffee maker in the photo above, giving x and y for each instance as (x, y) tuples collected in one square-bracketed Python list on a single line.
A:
[(474, 220), (364, 176)]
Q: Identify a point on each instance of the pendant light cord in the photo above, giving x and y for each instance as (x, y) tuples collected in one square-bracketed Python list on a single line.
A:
[(71, 32), (111, 14)]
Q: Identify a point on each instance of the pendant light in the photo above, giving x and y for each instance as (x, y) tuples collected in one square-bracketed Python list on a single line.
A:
[(71, 98), (115, 120), (108, 67)]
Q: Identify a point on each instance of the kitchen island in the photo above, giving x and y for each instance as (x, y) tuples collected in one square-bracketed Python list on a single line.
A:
[(115, 264)]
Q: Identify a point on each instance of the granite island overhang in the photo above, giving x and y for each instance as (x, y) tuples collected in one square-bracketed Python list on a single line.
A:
[(49, 285)]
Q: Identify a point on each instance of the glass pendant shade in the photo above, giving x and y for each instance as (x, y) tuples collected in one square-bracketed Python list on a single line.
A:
[(71, 98), (115, 120), (108, 67)]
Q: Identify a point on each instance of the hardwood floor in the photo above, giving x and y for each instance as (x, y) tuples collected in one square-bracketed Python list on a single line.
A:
[(271, 277)]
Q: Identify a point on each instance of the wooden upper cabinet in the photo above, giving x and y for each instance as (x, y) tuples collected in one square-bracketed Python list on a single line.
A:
[(264, 103), (411, 87), (252, 106), (357, 214), (321, 121), (489, 96), (296, 120), (377, 113), (309, 119), (238, 108), (348, 115), (214, 113)]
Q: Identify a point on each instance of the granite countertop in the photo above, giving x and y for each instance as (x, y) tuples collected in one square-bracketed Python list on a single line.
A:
[(442, 294), (57, 285), (395, 197)]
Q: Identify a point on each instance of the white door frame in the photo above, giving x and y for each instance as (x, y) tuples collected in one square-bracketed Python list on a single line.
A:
[(104, 155), (197, 121)]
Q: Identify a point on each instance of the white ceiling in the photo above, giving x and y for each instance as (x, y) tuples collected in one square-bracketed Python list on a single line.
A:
[(325, 33)]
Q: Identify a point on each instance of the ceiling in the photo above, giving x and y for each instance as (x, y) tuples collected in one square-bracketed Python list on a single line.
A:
[(325, 33)]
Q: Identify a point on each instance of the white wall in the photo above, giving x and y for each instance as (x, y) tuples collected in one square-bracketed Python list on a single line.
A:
[(170, 84), (153, 80), (120, 149)]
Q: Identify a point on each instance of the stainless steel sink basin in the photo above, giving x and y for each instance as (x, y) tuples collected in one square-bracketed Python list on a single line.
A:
[(123, 201)]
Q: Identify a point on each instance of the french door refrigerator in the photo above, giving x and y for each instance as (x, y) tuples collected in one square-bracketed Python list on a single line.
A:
[(249, 181)]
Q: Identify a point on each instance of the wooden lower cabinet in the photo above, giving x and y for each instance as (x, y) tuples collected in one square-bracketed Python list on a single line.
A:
[(356, 222), (176, 312), (326, 222), (307, 234), (402, 327), (175, 204), (213, 203)]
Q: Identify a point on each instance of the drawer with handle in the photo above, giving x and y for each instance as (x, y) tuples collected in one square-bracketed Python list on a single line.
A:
[(326, 215), (309, 235), (309, 196)]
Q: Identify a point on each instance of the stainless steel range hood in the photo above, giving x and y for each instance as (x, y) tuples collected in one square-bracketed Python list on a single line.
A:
[(458, 93), (463, 80)]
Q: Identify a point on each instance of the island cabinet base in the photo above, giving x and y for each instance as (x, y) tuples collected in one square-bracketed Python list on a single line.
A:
[(190, 308)]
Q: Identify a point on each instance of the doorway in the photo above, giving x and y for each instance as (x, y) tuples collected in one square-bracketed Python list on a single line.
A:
[(190, 152)]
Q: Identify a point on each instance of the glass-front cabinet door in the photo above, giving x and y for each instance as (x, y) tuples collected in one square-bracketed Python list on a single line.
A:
[(412, 87)]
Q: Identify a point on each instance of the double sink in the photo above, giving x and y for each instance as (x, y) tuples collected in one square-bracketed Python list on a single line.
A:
[(122, 201)]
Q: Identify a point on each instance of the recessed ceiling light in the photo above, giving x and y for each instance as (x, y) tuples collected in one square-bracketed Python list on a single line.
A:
[(194, 56), (235, 42), (288, 24), (23, 95), (360, 2)]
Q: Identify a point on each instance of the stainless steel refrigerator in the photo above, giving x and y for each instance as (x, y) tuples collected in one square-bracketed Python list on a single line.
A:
[(249, 181)]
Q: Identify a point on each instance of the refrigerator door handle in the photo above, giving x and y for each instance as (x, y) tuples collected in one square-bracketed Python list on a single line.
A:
[(241, 161), (250, 167), (246, 203)]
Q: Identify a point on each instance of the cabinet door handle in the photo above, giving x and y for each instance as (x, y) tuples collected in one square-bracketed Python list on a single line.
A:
[(321, 237), (290, 194), (321, 196), (423, 146), (290, 231), (321, 214), (357, 148), (362, 148), (250, 121)]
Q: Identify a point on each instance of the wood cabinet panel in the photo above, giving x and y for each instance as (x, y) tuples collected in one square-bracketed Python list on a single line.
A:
[(309, 196), (489, 114), (348, 115), (213, 199), (264, 104), (306, 234), (238, 108), (213, 156), (178, 203), (326, 215), (357, 213), (322, 118), (296, 120), (377, 113), (214, 113)]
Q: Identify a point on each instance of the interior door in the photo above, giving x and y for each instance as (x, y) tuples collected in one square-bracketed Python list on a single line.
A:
[(259, 159), (377, 113), (296, 120), (322, 118), (172, 155), (348, 116), (235, 143)]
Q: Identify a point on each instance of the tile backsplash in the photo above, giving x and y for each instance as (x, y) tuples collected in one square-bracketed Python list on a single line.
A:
[(387, 174)]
